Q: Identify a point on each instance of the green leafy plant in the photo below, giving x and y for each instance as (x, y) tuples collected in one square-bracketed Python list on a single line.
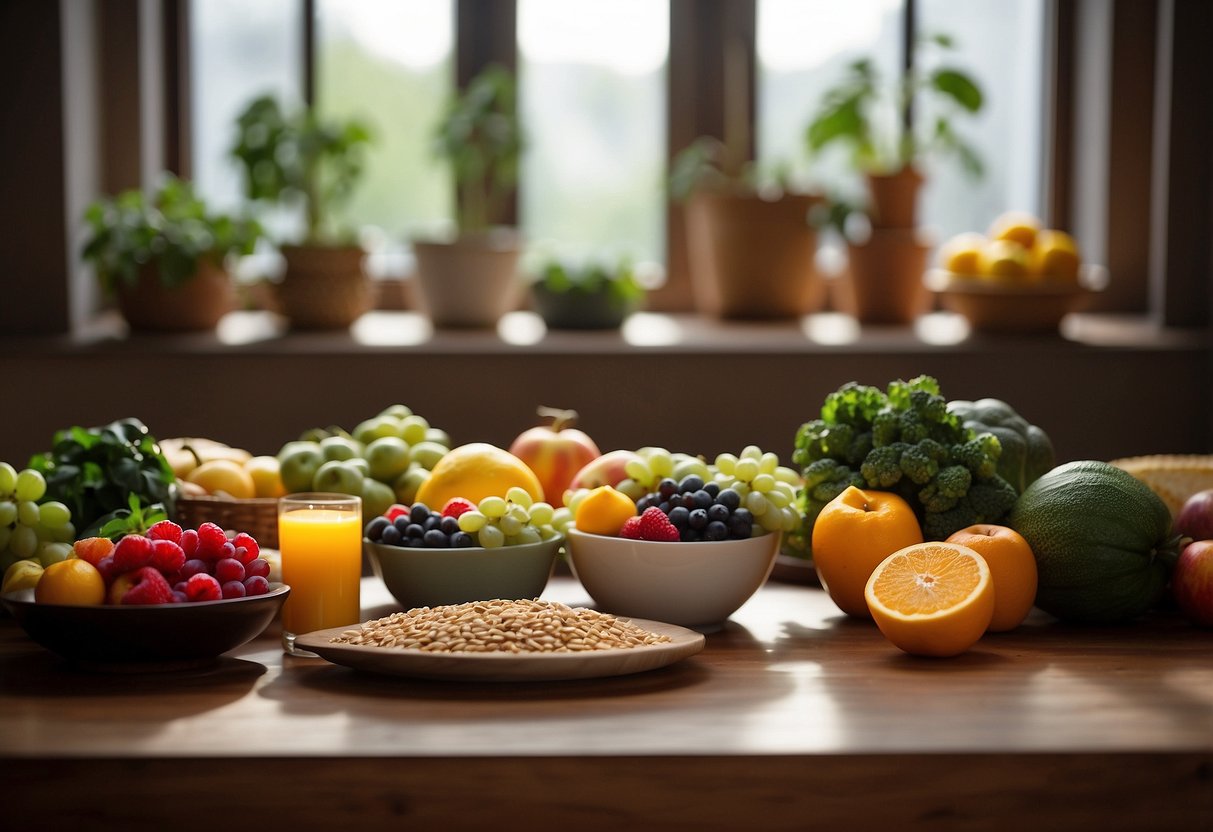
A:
[(870, 115), (294, 156), (172, 231), (481, 136), (618, 283), (708, 162), (113, 478)]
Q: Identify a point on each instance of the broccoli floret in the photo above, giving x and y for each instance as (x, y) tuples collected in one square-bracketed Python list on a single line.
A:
[(882, 468), (954, 481), (942, 525), (979, 454), (826, 491), (823, 470), (852, 404), (936, 451), (860, 448), (913, 429), (934, 501), (917, 464), (885, 428), (991, 500)]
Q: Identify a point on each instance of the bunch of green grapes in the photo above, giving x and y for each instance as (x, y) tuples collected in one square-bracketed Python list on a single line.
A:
[(656, 464), (510, 521), (28, 529), (767, 488)]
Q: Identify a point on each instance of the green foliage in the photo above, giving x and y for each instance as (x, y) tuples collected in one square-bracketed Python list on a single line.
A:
[(105, 474), (619, 283), (173, 231), (868, 114), (481, 136), (904, 439), (287, 157)]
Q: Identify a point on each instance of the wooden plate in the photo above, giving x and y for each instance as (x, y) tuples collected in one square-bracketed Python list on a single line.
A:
[(509, 667)]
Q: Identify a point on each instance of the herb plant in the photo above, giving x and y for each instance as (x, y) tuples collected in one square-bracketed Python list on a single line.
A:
[(294, 156), (172, 231), (619, 283)]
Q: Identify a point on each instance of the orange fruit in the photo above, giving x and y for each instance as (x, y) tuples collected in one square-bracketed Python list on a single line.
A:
[(93, 549), (474, 472), (71, 581), (1055, 256), (1018, 226), (603, 511), (224, 476), (1012, 568), (932, 599), (854, 532)]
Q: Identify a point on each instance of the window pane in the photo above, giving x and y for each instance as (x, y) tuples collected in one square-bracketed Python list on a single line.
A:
[(239, 49), (804, 47), (390, 64), (1002, 45), (592, 82)]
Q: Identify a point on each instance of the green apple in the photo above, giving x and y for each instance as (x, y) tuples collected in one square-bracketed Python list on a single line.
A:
[(413, 428), (427, 454), (340, 477), (438, 435), (406, 484), (388, 457), (361, 464), (298, 463), (340, 447), (397, 411), (377, 498), (376, 427)]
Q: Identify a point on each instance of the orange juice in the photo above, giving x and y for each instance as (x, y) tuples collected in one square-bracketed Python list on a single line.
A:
[(322, 564)]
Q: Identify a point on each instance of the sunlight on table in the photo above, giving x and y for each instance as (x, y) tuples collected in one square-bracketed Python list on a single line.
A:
[(392, 329), (649, 329)]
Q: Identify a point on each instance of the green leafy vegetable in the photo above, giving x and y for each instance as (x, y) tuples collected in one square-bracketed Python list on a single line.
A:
[(105, 474), (905, 440)]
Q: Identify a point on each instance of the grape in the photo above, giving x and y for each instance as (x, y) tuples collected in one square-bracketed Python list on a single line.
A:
[(8, 512), (660, 462), (632, 488), (30, 485), (8, 479), (757, 504), (725, 463), (519, 513), (491, 537), (784, 474), (763, 483), (23, 542), (510, 525), (752, 452), (562, 518), (529, 534), (768, 463), (493, 507), (638, 470), (63, 534), (542, 514), (519, 497), (772, 521), (28, 513), (746, 469), (777, 499), (791, 519), (472, 521)]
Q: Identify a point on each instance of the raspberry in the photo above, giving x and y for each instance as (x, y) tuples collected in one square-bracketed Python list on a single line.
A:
[(210, 542), (260, 566), (165, 530), (655, 525), (256, 585), (150, 587), (229, 569), (189, 542), (233, 589), (631, 528), (395, 511), (132, 552), (457, 506), (246, 541), (167, 556), (203, 587)]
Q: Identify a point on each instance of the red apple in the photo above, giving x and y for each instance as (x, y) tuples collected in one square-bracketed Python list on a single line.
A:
[(555, 452), (1195, 519), (608, 469), (1192, 582)]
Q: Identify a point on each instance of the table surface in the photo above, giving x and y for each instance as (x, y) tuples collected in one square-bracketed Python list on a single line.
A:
[(789, 703)]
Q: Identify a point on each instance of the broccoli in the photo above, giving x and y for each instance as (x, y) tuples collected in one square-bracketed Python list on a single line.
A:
[(918, 464), (882, 467), (980, 454), (988, 501)]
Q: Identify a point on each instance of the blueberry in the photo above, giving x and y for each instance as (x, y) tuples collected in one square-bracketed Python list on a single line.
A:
[(716, 531), (743, 514), (435, 539), (690, 483), (697, 519), (712, 488), (729, 498), (665, 507), (688, 499), (718, 512), (647, 501), (432, 523), (462, 540), (448, 525), (402, 522), (414, 542), (679, 516), (702, 499), (667, 488), (691, 535), (419, 512), (740, 528), (376, 527), (390, 535), (414, 531)]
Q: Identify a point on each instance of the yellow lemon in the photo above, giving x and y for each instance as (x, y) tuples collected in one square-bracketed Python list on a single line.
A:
[(1003, 259), (1018, 226), (224, 476), (267, 476), (474, 472), (1055, 256), (961, 255)]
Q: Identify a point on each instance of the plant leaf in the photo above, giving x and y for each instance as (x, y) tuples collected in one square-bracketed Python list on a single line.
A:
[(959, 87)]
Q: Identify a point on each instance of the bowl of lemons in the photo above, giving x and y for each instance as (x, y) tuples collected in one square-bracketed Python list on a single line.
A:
[(1017, 277)]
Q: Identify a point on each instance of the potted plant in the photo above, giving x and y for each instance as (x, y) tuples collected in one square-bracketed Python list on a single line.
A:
[(162, 258), (293, 158), (472, 280), (872, 118), (593, 296)]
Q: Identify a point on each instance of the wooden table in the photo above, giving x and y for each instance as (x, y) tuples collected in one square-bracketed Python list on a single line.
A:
[(792, 717)]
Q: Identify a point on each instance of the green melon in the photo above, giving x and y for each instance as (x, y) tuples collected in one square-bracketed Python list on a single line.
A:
[(1102, 539)]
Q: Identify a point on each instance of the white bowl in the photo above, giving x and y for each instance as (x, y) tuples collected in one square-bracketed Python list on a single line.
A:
[(696, 584)]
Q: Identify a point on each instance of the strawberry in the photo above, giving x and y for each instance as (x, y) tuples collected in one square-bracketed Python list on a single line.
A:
[(655, 525), (150, 587), (631, 528)]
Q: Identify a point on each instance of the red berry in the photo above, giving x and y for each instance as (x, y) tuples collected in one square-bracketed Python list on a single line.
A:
[(189, 542), (192, 567), (457, 506), (167, 556), (395, 511), (132, 552), (246, 541), (655, 525), (256, 585), (229, 569), (233, 589), (165, 530), (210, 542), (203, 587), (106, 567), (631, 528), (150, 587), (260, 566)]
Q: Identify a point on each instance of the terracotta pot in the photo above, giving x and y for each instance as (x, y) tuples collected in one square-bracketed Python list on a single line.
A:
[(895, 198), (470, 282), (753, 258), (884, 282), (196, 305), (324, 287), (577, 309)]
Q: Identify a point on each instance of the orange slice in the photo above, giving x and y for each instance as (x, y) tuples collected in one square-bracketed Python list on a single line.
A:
[(932, 599)]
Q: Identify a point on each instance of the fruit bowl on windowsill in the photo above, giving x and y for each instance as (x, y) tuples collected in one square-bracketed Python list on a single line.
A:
[(145, 637), (1015, 305)]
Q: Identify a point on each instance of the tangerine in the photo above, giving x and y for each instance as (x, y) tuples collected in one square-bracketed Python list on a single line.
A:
[(72, 581), (603, 511), (476, 471), (1012, 568)]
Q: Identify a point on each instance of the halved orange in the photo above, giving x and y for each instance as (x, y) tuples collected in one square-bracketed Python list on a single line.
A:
[(932, 599)]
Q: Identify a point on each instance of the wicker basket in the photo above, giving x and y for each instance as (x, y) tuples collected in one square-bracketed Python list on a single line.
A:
[(257, 516)]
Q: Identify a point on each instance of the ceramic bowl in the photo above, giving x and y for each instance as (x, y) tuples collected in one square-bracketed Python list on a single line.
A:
[(696, 584), (1013, 305), (160, 635), (429, 577)]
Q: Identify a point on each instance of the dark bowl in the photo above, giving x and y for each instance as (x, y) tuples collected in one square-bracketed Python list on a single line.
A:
[(146, 637)]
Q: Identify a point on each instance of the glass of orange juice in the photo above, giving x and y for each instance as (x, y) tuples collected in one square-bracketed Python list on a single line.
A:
[(320, 538)]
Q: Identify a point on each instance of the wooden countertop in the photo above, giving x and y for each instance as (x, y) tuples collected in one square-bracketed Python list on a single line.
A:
[(791, 716)]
